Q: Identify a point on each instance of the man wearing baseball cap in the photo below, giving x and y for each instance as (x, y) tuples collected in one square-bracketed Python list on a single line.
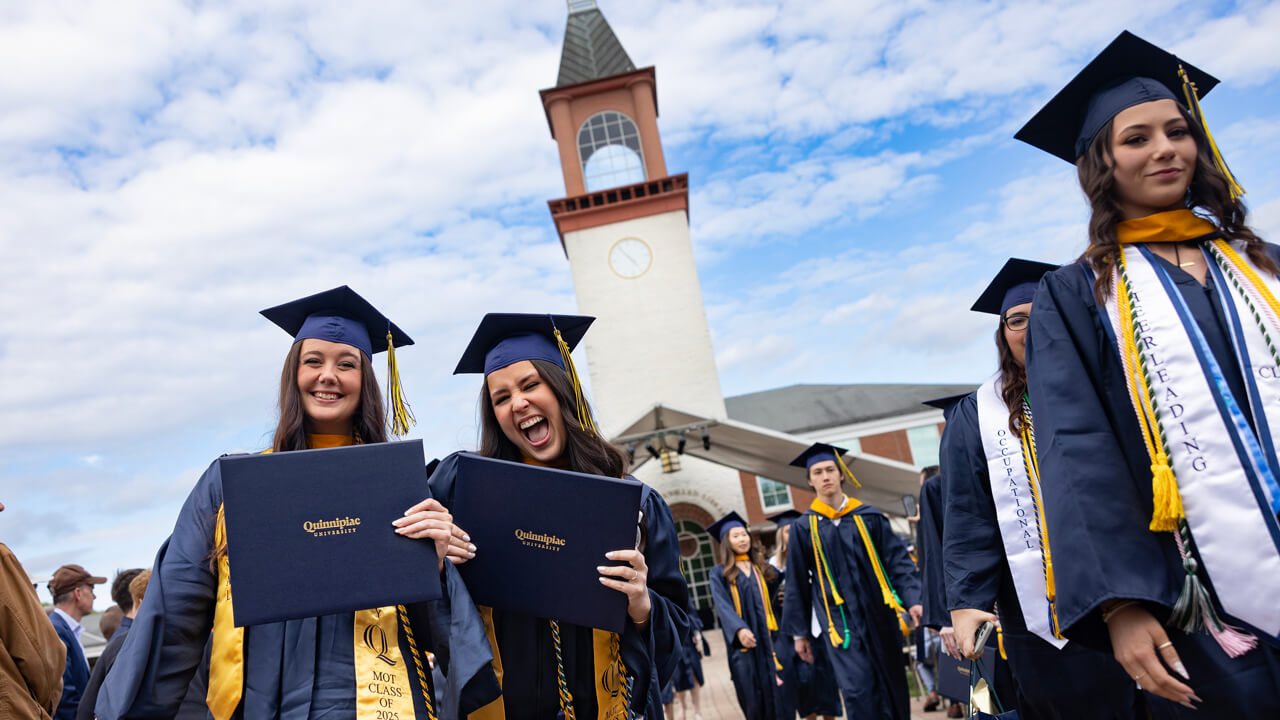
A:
[(72, 591)]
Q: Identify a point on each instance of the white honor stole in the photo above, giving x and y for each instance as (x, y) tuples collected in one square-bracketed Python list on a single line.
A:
[(1220, 463), (1016, 491)]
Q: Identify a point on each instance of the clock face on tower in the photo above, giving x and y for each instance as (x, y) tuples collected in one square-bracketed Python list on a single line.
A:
[(630, 257)]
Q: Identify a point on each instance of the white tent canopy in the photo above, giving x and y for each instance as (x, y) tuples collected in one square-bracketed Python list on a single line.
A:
[(767, 453)]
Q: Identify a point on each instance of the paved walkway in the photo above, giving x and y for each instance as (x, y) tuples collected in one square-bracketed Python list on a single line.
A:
[(719, 702)]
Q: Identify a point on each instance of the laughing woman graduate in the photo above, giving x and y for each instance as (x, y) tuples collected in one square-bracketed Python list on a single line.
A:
[(996, 552), (533, 410), (1152, 371), (741, 586), (314, 667), (846, 563)]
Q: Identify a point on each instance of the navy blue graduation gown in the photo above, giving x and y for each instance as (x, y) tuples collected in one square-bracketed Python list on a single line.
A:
[(871, 671), (525, 646), (1096, 481), (1074, 682), (807, 688), (293, 670), (751, 669), (929, 551)]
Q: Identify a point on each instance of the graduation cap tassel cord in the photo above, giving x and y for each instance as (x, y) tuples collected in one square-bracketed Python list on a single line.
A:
[(584, 415), (401, 415), (1193, 103), (847, 472)]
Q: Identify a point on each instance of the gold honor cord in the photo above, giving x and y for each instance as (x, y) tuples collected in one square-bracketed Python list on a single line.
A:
[(226, 659), (887, 593), (417, 661), (562, 683), (1032, 464), (1252, 288), (383, 687), (401, 415), (825, 577)]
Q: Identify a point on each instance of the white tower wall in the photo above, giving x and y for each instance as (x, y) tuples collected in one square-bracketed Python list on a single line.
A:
[(650, 343)]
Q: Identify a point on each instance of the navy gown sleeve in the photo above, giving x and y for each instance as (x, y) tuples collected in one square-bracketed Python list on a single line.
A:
[(730, 623), (797, 593), (1097, 503), (166, 642), (929, 547), (972, 549), (659, 645)]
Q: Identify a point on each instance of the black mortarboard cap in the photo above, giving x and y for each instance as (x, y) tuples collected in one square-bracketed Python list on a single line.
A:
[(505, 338), (725, 524), (785, 516), (338, 315), (1127, 72), (817, 453), (945, 403), (1013, 285)]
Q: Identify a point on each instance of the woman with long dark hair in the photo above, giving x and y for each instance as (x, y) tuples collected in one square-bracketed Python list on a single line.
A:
[(533, 410), (997, 557), (1152, 366), (741, 589), (313, 667)]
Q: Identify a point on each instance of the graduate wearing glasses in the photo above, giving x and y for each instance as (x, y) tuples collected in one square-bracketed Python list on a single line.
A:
[(533, 411), (1151, 366), (846, 564), (998, 556), (312, 667)]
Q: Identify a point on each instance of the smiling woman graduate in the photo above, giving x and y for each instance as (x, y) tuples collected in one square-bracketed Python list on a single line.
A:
[(741, 586), (846, 564), (304, 668), (1151, 366), (997, 555), (533, 410)]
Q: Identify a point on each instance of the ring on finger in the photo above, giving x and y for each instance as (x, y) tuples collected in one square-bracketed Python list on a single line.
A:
[(1138, 676), (1163, 645)]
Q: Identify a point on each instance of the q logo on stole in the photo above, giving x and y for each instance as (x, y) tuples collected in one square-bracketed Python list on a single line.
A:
[(376, 640)]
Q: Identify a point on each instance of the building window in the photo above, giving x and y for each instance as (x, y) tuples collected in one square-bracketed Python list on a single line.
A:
[(774, 496), (696, 560), (609, 146), (924, 441)]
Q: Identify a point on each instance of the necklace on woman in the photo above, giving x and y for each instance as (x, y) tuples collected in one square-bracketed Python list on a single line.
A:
[(1177, 257)]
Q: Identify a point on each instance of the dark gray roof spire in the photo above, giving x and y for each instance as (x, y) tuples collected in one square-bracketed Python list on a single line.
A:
[(591, 50)]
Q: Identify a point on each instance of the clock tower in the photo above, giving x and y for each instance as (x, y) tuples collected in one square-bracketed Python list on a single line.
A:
[(624, 226)]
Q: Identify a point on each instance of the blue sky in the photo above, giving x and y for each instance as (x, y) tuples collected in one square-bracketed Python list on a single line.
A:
[(170, 168)]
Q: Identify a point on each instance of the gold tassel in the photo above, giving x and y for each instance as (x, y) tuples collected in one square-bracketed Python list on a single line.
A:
[(579, 398), (847, 472), (1166, 499), (397, 407), (1193, 104)]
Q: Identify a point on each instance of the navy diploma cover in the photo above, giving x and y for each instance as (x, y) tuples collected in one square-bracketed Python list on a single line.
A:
[(539, 534), (309, 532)]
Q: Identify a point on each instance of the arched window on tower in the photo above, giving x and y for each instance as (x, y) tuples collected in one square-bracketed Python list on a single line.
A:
[(609, 146)]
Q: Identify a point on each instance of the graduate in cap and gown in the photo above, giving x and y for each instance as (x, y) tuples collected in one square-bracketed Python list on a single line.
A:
[(741, 588), (997, 555), (533, 410), (808, 689), (1151, 365), (846, 563), (313, 667)]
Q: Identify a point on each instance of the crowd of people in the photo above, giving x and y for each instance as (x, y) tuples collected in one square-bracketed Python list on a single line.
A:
[(1104, 510)]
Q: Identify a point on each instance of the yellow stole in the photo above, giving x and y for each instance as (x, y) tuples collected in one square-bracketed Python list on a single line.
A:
[(764, 594), (610, 672), (887, 593), (383, 686), (1169, 226)]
